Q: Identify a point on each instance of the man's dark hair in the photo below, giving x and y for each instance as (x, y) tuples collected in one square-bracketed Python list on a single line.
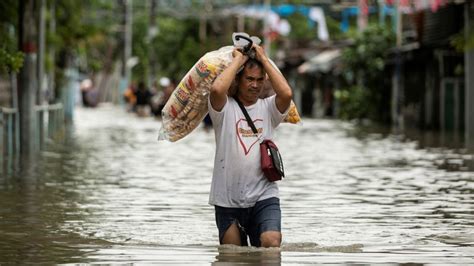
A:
[(251, 63)]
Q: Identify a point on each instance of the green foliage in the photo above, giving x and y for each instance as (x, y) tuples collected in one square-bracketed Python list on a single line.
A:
[(141, 48), (84, 37), (301, 28), (10, 59), (8, 11), (68, 21), (460, 42), (334, 29), (82, 30), (353, 102), (365, 63), (369, 51), (175, 49), (10, 62), (189, 54)]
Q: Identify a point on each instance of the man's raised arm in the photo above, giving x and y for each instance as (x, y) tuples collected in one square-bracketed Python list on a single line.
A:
[(220, 87), (279, 83)]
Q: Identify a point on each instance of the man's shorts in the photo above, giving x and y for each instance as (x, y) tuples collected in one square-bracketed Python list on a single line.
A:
[(252, 222)]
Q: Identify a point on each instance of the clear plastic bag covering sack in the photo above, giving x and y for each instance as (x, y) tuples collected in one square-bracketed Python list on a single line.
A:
[(187, 106)]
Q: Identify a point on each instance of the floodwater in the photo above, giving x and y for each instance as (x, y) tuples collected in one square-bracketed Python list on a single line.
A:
[(113, 194)]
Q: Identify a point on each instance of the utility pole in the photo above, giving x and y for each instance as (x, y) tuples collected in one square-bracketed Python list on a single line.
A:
[(397, 88), (14, 100), (41, 45), (398, 24), (52, 52), (152, 32), (469, 78), (127, 48), (40, 71), (27, 78)]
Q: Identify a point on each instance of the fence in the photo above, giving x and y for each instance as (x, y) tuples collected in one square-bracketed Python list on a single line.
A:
[(49, 121), (9, 134)]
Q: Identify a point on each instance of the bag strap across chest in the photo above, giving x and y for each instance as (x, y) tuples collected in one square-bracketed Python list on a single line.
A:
[(247, 116)]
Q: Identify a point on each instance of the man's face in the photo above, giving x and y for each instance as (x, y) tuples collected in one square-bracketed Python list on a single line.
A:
[(251, 84)]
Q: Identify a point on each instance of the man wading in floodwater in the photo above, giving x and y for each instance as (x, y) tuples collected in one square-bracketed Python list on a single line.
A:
[(246, 203)]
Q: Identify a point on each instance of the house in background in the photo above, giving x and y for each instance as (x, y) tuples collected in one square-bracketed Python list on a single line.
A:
[(425, 75), (428, 72)]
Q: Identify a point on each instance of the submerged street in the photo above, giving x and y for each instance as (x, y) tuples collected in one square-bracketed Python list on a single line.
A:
[(112, 193)]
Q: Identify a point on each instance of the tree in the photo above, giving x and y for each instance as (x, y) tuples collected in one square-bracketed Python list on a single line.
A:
[(85, 37), (176, 47), (365, 64), (11, 59)]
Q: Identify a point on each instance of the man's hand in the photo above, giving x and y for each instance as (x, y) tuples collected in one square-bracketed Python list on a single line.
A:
[(239, 56), (279, 83), (260, 54)]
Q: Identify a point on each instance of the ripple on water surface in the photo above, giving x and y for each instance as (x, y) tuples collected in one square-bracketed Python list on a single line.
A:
[(113, 193)]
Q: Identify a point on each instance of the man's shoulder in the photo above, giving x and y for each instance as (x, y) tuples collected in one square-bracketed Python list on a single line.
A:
[(266, 101)]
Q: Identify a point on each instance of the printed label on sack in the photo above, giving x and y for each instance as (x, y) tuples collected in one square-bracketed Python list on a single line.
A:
[(190, 84), (201, 69), (174, 113), (204, 70), (182, 94)]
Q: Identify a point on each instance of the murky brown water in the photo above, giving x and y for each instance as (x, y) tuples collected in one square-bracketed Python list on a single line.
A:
[(113, 194)]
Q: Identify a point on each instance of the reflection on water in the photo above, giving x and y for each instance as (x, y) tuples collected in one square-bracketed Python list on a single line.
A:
[(113, 194), (233, 255), (452, 156)]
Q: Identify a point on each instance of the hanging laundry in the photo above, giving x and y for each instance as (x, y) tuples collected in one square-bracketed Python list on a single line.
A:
[(317, 14)]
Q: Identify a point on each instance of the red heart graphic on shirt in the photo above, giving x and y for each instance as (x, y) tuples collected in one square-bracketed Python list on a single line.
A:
[(249, 140)]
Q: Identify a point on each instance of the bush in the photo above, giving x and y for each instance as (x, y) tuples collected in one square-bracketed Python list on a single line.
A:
[(365, 64), (353, 102)]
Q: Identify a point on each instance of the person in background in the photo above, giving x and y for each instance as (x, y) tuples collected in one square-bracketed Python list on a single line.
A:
[(160, 99), (143, 96), (85, 85), (89, 93), (130, 98), (246, 203), (156, 98)]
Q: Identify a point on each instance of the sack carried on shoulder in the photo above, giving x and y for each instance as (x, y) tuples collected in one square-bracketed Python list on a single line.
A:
[(272, 164), (187, 106)]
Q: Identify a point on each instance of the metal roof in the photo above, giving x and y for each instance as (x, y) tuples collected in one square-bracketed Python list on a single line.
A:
[(323, 62)]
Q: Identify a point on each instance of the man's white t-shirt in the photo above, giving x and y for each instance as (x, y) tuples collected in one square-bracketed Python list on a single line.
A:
[(237, 179)]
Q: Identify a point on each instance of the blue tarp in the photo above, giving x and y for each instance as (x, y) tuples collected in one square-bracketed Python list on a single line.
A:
[(287, 10), (354, 11)]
